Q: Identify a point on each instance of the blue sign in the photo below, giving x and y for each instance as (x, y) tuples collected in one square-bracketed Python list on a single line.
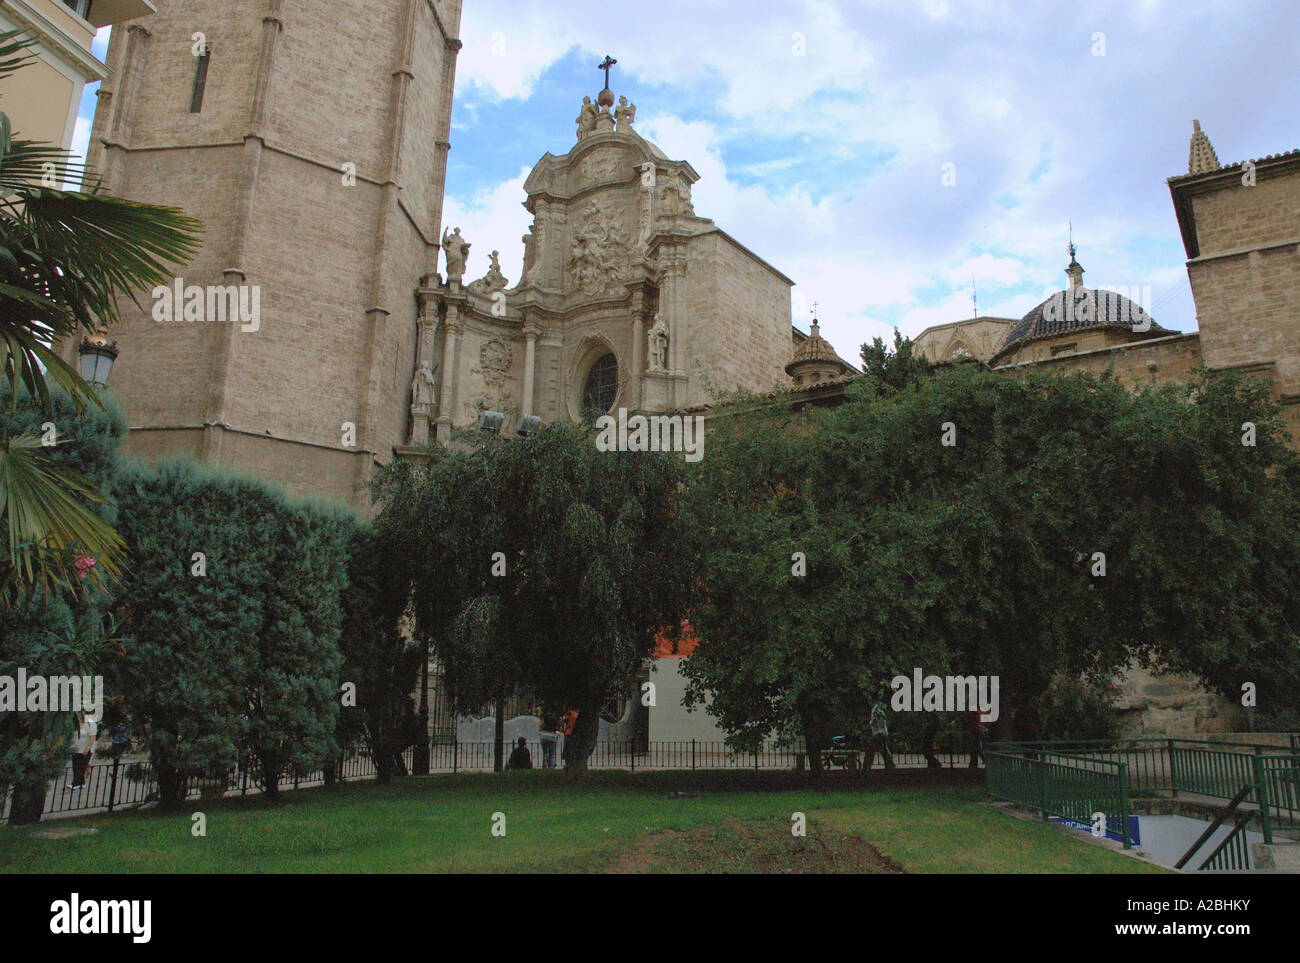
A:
[(1112, 830)]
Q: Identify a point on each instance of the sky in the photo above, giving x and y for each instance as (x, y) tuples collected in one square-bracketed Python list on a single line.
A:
[(822, 131)]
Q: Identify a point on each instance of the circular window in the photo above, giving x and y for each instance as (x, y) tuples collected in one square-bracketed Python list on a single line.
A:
[(601, 387)]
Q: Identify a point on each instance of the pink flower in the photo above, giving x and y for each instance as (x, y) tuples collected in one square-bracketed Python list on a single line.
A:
[(83, 565)]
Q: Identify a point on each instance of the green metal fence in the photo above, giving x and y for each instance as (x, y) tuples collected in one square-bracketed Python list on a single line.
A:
[(1061, 784), (1064, 778)]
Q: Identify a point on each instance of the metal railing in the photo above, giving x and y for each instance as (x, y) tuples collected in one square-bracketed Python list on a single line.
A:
[(1232, 856), (1074, 787), (1202, 767), (132, 782)]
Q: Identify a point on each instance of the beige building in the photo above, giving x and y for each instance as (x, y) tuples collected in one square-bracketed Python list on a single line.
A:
[(313, 149), (42, 98), (1240, 227), (628, 299)]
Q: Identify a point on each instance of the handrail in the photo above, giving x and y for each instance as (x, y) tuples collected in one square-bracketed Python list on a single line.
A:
[(1120, 741), (1242, 793), (1047, 752), (1239, 850)]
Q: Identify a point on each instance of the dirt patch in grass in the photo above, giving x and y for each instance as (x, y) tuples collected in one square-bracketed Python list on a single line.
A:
[(753, 846)]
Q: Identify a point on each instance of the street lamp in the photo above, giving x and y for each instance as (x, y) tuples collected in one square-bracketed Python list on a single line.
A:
[(491, 421), (529, 425), (98, 352)]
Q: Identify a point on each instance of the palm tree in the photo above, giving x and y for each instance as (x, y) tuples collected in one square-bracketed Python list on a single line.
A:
[(66, 257)]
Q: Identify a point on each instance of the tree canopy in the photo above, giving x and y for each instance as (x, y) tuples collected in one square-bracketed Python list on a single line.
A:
[(543, 565), (962, 523)]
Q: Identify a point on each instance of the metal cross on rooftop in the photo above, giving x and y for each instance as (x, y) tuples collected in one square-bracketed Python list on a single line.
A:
[(608, 62)]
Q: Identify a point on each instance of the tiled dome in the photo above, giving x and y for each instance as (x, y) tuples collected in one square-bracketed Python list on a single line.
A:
[(1078, 309), (815, 348)]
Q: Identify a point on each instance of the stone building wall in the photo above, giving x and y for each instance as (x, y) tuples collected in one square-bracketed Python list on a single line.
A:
[(293, 96)]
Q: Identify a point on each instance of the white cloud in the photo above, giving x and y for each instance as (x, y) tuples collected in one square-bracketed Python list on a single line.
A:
[(994, 87), (492, 220)]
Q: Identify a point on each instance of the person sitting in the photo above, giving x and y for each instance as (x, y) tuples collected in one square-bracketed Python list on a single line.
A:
[(520, 757)]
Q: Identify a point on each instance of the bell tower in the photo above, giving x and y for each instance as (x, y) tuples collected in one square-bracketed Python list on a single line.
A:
[(311, 141)]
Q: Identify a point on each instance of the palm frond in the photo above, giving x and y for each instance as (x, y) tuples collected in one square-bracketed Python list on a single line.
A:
[(49, 520), (14, 50)]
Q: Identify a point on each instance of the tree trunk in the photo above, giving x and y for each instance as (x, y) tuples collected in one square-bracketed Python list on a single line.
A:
[(586, 730), (271, 765), (171, 787), (499, 738), (28, 803), (382, 751)]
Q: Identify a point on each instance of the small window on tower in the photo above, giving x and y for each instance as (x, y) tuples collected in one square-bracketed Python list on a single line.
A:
[(200, 78)]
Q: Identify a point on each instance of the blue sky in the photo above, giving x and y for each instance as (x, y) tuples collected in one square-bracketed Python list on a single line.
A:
[(821, 129)]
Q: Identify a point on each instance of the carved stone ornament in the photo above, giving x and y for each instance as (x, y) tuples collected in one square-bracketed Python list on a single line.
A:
[(599, 165), (598, 256)]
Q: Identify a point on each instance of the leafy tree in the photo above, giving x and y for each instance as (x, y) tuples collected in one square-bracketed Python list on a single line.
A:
[(380, 659), (978, 557), (54, 627), (294, 693), (893, 370), (597, 559), (232, 613)]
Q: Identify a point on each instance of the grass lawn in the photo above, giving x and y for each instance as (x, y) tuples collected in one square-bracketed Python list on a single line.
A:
[(613, 822)]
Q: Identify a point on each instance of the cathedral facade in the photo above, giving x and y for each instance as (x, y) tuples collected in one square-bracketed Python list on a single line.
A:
[(628, 299)]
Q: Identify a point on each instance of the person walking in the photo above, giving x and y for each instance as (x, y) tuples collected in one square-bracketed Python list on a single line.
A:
[(83, 749), (879, 736)]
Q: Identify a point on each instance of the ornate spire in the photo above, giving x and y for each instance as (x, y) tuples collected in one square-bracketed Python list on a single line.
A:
[(1073, 270), (1200, 156)]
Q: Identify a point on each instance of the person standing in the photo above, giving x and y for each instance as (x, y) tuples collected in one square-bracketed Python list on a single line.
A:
[(83, 749), (566, 729), (879, 736), (550, 736), (121, 740), (520, 758)]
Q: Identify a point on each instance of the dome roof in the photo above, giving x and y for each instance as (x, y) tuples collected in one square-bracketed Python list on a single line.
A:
[(814, 348), (1079, 309)]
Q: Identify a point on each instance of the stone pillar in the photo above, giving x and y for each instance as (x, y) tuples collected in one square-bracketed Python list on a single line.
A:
[(638, 348), (447, 403), (531, 331)]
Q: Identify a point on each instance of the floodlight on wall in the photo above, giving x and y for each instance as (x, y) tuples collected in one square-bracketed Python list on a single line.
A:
[(529, 425), (97, 352), (491, 422)]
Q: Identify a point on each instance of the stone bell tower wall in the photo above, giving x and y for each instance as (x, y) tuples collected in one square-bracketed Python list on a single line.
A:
[(299, 97)]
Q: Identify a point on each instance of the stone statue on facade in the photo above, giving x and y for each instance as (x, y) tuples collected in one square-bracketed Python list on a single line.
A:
[(422, 395), (494, 280), (658, 345), (586, 119), (625, 114), (457, 249), (422, 386)]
